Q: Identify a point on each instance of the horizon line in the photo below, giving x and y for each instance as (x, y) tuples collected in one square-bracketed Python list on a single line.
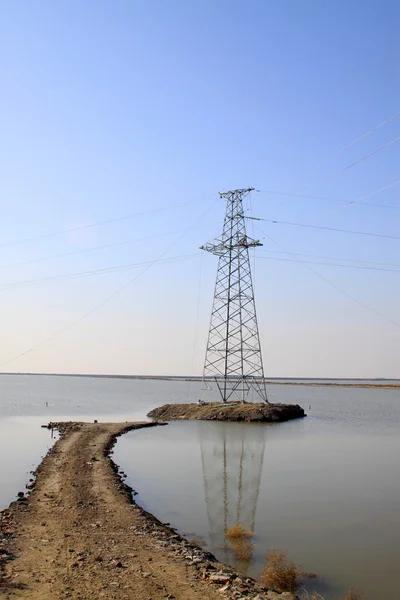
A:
[(191, 377)]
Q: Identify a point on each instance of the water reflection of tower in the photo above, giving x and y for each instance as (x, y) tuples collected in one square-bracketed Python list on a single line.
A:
[(232, 457)]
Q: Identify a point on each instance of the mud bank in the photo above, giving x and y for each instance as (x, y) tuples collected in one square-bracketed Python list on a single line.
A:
[(81, 536), (251, 412)]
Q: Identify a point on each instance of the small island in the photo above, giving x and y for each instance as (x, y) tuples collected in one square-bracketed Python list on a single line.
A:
[(230, 411)]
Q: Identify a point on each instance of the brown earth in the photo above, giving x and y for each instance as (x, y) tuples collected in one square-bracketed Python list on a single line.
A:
[(80, 537), (231, 411)]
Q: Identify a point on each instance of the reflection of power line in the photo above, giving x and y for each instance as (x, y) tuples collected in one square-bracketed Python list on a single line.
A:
[(232, 461)]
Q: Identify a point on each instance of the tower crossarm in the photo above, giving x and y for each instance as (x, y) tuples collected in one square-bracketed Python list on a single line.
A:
[(219, 247)]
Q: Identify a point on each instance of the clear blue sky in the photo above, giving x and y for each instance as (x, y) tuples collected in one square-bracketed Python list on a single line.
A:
[(111, 109)]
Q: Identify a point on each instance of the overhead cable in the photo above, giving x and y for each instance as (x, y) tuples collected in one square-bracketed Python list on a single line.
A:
[(349, 145), (341, 201), (358, 139), (86, 250), (118, 268), (111, 296), (326, 264), (351, 165), (322, 257), (368, 233), (386, 187), (80, 274), (333, 285), (106, 222)]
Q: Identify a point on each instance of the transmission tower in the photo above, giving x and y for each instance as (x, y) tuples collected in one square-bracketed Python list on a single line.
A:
[(233, 355)]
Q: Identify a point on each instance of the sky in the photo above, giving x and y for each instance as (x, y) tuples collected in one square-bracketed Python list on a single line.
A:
[(121, 121)]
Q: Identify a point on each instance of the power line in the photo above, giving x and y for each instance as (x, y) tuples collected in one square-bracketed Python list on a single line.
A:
[(349, 145), (341, 201), (196, 325), (82, 274), (86, 250), (358, 139), (106, 222), (375, 192), (111, 296), (380, 235), (313, 262), (336, 287), (353, 164), (124, 267), (353, 260)]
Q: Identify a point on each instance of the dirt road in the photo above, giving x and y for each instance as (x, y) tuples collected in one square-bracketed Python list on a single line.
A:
[(79, 537)]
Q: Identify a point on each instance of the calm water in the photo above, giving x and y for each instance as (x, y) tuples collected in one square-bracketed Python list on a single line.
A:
[(326, 488)]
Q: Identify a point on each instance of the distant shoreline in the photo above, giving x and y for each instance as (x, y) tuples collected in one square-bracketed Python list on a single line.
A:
[(313, 383), (355, 382)]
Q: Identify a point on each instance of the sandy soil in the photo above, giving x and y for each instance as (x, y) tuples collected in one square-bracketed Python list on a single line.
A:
[(80, 537)]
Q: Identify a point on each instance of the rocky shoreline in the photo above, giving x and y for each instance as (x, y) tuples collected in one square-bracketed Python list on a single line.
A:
[(231, 411), (80, 535)]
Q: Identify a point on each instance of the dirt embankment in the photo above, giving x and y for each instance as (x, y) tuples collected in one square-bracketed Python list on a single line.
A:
[(80, 537), (264, 413)]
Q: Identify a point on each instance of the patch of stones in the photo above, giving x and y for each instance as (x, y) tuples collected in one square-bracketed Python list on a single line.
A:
[(63, 427), (230, 583), (8, 528)]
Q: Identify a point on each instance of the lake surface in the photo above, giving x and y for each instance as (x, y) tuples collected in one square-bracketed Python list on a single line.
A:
[(326, 489)]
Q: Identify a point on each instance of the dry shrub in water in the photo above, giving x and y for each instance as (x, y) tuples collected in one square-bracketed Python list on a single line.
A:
[(279, 573), (238, 532), (243, 549), (352, 595)]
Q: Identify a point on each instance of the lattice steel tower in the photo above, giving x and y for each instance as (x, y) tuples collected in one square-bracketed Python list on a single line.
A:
[(233, 356)]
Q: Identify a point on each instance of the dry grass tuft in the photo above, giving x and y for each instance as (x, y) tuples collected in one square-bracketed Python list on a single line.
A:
[(352, 595), (279, 573), (242, 549), (238, 532)]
